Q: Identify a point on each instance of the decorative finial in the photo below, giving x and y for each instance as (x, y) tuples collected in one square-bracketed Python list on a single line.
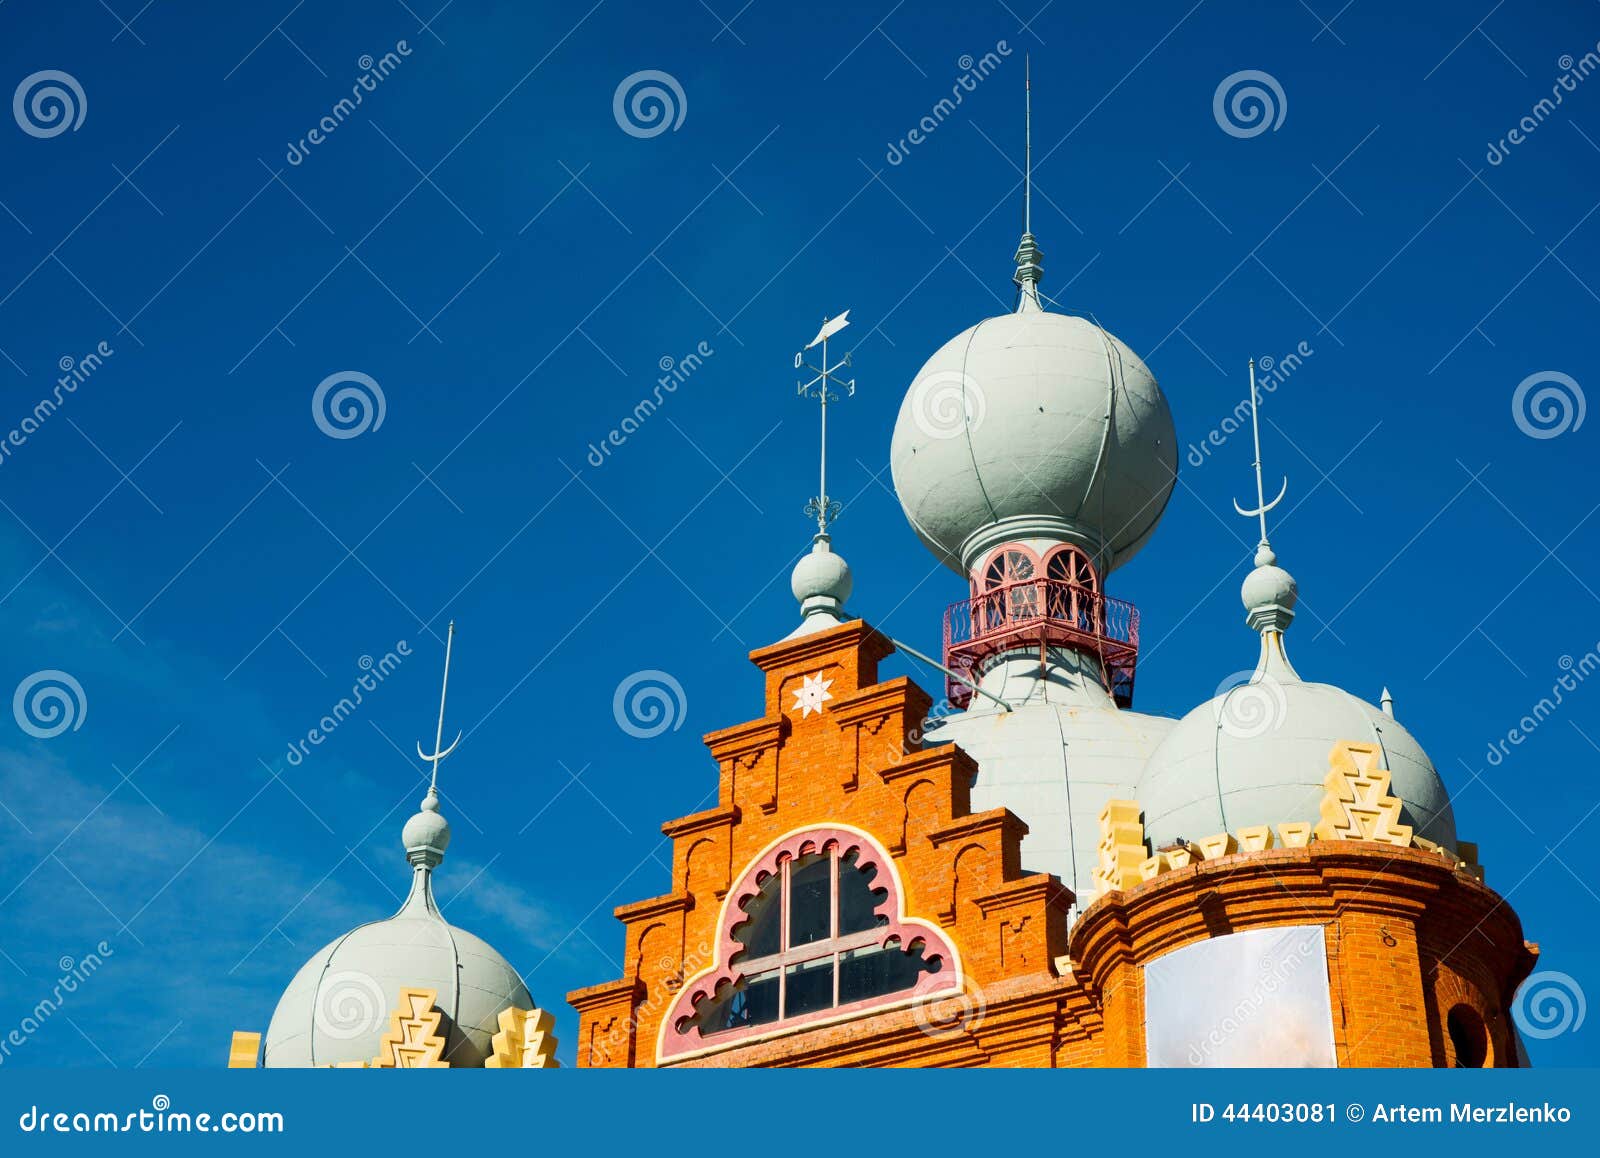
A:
[(438, 736), (1264, 555), (822, 508), (1386, 702), (1029, 258)]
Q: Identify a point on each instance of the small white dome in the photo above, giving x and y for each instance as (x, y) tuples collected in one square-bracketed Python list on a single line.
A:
[(1034, 424), (823, 573), (1269, 586)]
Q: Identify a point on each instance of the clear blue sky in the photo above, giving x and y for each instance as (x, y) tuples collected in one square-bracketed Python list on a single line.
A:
[(483, 239)]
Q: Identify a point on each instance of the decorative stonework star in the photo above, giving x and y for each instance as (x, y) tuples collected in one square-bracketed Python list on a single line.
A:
[(811, 694)]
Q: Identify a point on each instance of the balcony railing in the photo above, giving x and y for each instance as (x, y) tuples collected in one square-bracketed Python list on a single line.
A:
[(1044, 613)]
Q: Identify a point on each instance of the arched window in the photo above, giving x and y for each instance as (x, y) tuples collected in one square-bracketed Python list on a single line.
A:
[(1074, 588), (1469, 1036), (814, 931), (1011, 596)]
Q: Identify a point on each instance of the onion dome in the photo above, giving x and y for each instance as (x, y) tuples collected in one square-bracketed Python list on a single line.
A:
[(821, 582), (1258, 752), (338, 1005)]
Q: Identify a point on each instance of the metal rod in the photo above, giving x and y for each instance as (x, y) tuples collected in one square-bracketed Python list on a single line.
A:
[(955, 675), (1255, 430)]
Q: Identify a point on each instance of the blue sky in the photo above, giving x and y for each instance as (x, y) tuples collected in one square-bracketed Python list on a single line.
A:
[(482, 239)]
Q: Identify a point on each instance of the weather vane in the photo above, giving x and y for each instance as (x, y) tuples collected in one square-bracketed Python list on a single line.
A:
[(438, 736), (1262, 506), (822, 508)]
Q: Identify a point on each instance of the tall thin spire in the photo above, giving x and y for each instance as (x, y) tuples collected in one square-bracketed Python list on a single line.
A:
[(822, 508), (1029, 258), (438, 736), (1262, 506)]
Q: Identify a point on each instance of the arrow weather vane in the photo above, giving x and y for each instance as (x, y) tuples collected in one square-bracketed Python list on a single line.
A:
[(1262, 506), (822, 508), (438, 736)]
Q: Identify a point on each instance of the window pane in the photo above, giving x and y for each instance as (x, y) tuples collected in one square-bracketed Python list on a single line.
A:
[(751, 1002), (810, 899), (858, 900), (875, 971), (761, 932), (810, 987)]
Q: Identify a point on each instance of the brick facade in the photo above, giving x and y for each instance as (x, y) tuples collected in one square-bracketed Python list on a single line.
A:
[(1409, 936)]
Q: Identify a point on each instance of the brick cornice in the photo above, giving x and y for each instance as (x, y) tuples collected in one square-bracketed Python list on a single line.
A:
[(701, 822), (654, 907), (883, 699), (846, 637), (743, 739), (1040, 889), (626, 991), (997, 820), (944, 756)]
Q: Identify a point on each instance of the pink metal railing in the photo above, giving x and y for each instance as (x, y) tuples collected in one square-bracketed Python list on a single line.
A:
[(1049, 613)]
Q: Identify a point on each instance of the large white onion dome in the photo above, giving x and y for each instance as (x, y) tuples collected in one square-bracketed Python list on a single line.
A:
[(1061, 751), (338, 1005), (1034, 425), (1258, 753)]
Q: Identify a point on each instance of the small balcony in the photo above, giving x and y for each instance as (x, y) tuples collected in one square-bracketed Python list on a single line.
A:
[(1042, 614)]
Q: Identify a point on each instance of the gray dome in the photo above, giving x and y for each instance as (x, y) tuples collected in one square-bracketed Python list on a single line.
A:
[(1034, 424), (1055, 759), (337, 1007), (1258, 754)]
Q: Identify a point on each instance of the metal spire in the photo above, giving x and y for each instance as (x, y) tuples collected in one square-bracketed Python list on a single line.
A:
[(822, 508), (1029, 259), (1262, 506), (438, 736)]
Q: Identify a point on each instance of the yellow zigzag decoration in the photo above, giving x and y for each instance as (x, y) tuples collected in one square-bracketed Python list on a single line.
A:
[(413, 1041), (1357, 804), (1121, 849), (524, 1041)]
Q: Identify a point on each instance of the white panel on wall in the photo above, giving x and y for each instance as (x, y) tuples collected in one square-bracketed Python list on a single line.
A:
[(1257, 998)]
